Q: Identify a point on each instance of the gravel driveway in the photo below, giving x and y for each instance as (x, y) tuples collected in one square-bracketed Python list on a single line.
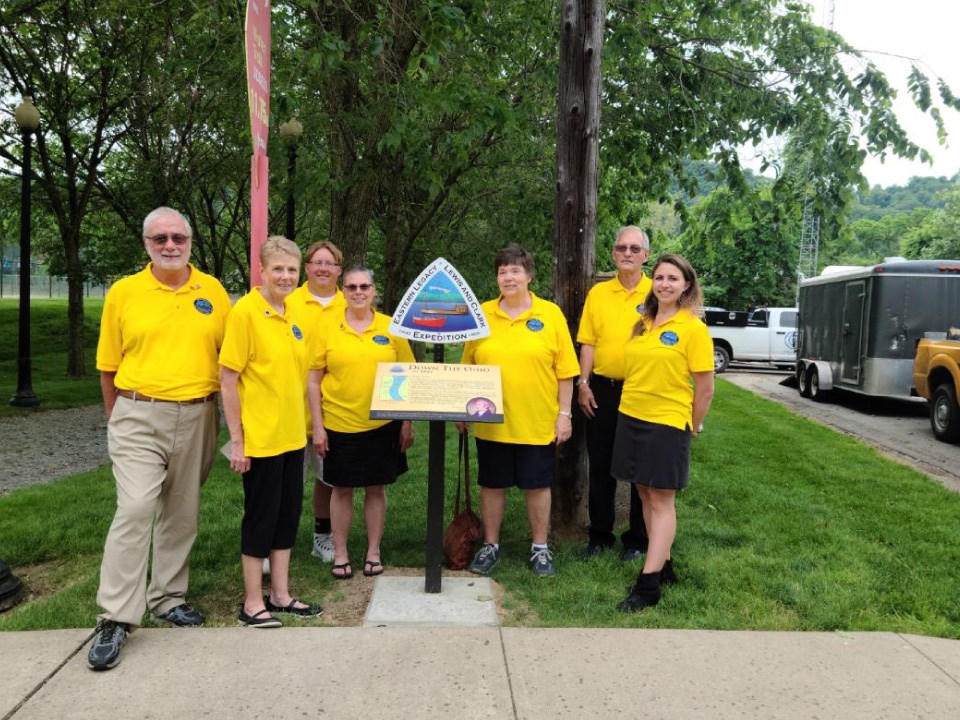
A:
[(45, 446), (900, 429)]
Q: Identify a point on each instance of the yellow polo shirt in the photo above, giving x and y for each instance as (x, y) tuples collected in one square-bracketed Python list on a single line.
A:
[(269, 351), (609, 315), (349, 361), (164, 342), (660, 366), (309, 313), (533, 351)]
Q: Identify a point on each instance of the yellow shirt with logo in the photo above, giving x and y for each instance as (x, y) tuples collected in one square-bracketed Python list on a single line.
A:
[(534, 351), (269, 351), (609, 315), (164, 342), (660, 365), (349, 361), (309, 314)]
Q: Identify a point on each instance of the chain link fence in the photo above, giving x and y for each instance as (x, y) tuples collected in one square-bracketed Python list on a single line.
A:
[(45, 286)]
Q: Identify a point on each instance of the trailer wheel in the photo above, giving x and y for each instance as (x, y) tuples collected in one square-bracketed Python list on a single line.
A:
[(945, 414), (721, 359), (817, 394), (803, 381)]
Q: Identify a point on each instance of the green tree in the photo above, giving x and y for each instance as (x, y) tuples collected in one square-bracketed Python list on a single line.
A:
[(743, 248), (938, 236), (83, 62)]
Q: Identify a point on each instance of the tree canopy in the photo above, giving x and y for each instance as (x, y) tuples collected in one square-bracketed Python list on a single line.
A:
[(430, 127)]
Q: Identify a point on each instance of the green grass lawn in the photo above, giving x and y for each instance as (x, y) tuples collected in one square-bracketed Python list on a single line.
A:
[(48, 341), (786, 525)]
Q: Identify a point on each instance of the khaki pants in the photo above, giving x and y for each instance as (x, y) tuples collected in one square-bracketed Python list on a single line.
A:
[(161, 453)]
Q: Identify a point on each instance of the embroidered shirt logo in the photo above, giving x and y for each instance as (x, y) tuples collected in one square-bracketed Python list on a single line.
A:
[(669, 338), (381, 339), (203, 306), (297, 333), (534, 325)]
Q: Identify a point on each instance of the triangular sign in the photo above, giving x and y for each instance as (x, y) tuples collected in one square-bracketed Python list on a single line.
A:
[(439, 307)]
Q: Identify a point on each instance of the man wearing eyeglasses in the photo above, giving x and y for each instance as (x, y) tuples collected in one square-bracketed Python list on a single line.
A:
[(313, 303), (611, 310), (160, 335)]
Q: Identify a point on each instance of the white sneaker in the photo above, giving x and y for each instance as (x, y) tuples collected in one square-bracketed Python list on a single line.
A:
[(323, 546), (266, 566)]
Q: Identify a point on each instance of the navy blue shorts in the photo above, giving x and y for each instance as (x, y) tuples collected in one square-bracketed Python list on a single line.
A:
[(651, 454), (506, 465)]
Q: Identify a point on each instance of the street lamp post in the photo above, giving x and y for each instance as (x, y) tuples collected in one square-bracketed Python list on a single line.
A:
[(290, 133), (28, 119)]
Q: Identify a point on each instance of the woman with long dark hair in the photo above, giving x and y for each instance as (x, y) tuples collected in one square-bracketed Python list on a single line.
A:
[(666, 395)]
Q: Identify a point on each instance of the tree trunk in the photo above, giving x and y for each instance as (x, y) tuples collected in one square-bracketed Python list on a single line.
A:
[(76, 362), (575, 217)]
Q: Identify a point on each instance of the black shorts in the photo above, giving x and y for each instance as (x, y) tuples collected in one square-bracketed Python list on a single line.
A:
[(363, 459), (651, 454), (505, 465)]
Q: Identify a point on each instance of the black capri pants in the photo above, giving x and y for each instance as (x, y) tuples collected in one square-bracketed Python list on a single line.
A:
[(272, 500)]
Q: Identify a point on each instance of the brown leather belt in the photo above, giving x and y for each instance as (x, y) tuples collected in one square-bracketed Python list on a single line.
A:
[(140, 397)]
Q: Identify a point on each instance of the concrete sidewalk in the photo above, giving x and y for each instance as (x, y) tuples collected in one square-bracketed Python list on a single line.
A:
[(509, 673)]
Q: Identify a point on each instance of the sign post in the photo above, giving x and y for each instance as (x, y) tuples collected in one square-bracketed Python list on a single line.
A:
[(440, 308), (257, 44)]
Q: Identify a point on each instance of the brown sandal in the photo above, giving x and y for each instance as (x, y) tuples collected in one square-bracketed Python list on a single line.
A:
[(372, 568), (346, 572)]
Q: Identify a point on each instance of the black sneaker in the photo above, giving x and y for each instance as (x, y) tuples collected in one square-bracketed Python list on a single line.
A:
[(541, 562), (182, 616), (592, 550), (109, 639), (485, 560)]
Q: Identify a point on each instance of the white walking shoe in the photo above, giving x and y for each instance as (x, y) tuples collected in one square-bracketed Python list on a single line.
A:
[(323, 546)]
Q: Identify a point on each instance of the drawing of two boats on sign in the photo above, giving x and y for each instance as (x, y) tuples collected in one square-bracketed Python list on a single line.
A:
[(437, 306)]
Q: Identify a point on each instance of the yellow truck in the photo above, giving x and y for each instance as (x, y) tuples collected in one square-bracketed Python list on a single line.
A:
[(936, 376)]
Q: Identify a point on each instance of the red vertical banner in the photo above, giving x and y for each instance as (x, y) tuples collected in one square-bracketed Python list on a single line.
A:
[(258, 93)]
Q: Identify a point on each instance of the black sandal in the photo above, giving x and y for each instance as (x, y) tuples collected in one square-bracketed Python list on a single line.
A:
[(346, 572), (257, 620), (308, 610), (370, 568)]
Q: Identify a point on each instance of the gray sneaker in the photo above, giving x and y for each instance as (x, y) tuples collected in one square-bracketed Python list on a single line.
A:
[(109, 639), (485, 560), (541, 562), (182, 616), (323, 547)]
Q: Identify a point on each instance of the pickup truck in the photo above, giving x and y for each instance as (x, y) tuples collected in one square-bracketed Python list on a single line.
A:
[(936, 376), (760, 335)]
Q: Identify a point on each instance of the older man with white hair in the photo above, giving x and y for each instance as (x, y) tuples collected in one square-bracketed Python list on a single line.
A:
[(160, 336)]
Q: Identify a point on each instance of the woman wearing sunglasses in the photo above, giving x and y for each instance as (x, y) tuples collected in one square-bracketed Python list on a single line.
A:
[(357, 451)]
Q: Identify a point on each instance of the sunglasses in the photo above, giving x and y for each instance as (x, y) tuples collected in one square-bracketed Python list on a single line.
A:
[(635, 249), (162, 239), (362, 287)]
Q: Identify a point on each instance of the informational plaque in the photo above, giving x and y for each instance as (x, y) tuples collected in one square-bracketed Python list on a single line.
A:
[(434, 391)]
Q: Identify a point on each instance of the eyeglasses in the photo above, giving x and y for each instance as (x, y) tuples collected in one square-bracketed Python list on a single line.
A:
[(322, 263), (635, 249), (164, 238), (362, 287)]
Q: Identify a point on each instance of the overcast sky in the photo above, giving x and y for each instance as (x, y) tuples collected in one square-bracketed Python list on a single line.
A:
[(921, 29)]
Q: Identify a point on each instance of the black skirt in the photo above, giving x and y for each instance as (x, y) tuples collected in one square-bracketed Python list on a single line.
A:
[(650, 454), (362, 459)]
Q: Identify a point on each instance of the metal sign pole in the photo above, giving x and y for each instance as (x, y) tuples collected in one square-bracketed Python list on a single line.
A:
[(435, 488)]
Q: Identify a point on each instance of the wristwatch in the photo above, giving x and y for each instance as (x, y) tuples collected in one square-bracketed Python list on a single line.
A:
[(583, 381)]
